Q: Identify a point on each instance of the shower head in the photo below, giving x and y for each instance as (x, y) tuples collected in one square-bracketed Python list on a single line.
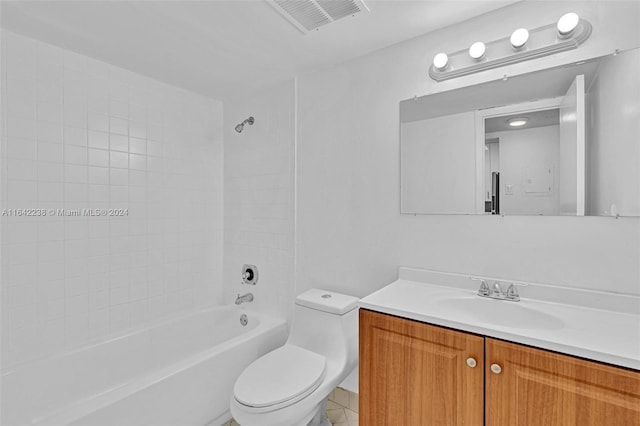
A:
[(240, 126)]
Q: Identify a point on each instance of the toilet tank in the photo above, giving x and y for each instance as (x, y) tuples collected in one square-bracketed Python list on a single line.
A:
[(326, 322)]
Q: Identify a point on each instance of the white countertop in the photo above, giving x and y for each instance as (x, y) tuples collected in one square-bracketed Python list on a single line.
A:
[(597, 334)]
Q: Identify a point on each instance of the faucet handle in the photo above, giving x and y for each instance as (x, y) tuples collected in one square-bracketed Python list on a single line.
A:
[(484, 287), (512, 292)]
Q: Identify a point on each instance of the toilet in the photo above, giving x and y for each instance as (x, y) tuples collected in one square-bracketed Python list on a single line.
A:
[(290, 385)]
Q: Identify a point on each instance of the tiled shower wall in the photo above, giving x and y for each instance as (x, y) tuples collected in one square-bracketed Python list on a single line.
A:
[(259, 198), (81, 134)]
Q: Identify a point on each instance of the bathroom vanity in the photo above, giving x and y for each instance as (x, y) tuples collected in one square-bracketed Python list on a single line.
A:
[(436, 355)]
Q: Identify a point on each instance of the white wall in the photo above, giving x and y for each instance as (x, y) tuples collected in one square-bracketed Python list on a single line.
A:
[(259, 198), (78, 133), (524, 154), (613, 109), (350, 234)]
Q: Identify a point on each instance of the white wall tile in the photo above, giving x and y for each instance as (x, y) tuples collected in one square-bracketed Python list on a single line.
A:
[(24, 128), (97, 104), (119, 109), (96, 121), (22, 169), (118, 142), (50, 74), (49, 112), (49, 92), (20, 69), (119, 126), (119, 159), (24, 149), (47, 131), (21, 193), (75, 155), (98, 139), (20, 254), (98, 157), (75, 173), (258, 199), (52, 230), (77, 135), (99, 321), (22, 99)]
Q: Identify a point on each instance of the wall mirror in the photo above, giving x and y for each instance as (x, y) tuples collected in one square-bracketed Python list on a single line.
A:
[(561, 141)]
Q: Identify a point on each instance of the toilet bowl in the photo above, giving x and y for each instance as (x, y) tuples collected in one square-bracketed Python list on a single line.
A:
[(290, 385)]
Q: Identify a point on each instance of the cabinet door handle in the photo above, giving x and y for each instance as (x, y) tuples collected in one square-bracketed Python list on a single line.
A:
[(496, 369), (471, 362)]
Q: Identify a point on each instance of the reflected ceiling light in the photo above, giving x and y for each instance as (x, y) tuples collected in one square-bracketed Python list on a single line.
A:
[(519, 38), (477, 49), (518, 121), (440, 61), (567, 23)]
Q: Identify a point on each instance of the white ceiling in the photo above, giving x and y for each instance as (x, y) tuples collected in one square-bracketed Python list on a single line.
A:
[(224, 48)]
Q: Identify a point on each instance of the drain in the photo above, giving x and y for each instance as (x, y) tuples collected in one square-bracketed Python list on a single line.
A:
[(244, 319)]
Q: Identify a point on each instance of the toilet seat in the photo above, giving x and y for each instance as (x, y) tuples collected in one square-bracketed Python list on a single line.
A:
[(280, 378)]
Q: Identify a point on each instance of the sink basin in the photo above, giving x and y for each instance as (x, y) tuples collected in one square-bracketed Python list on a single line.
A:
[(499, 312)]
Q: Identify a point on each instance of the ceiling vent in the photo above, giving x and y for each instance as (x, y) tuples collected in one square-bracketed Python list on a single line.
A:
[(309, 15)]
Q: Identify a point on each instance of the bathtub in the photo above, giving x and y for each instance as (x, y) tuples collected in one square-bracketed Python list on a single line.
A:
[(179, 371)]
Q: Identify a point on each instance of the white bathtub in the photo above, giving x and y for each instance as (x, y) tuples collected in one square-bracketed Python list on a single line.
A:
[(175, 372)]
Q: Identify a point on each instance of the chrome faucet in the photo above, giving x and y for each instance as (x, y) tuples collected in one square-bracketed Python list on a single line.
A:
[(494, 291), (244, 298)]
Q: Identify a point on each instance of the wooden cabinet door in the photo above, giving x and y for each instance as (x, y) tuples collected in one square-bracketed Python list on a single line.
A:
[(414, 374), (540, 388)]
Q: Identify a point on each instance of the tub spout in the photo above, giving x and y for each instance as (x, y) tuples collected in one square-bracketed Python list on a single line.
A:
[(244, 298)]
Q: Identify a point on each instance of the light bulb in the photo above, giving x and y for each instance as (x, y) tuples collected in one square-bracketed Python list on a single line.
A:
[(440, 61), (519, 38), (477, 49), (567, 23), (518, 122)]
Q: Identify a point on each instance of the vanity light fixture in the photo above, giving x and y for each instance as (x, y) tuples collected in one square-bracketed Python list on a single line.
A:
[(518, 121), (568, 33), (440, 61), (477, 50), (519, 38)]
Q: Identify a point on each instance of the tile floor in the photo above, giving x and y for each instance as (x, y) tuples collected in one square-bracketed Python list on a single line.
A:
[(342, 409)]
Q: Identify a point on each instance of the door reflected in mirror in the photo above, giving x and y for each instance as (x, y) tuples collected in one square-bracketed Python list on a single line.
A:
[(522, 150)]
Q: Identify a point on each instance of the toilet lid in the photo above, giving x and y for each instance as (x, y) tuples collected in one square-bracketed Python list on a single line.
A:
[(286, 374)]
